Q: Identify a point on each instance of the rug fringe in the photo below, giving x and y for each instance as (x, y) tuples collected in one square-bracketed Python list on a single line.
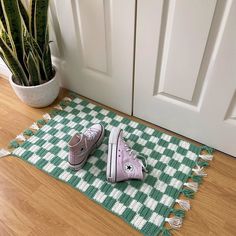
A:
[(184, 204), (4, 152)]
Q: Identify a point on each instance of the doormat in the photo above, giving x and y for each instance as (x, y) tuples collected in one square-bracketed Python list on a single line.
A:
[(153, 206)]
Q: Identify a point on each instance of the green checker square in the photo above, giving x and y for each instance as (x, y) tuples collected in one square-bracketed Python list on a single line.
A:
[(168, 152), (72, 104), (193, 148), (150, 229), (163, 143), (109, 202), (151, 180), (129, 129), (88, 117), (133, 138), (161, 209), (182, 151), (145, 212), (135, 183), (156, 194), (165, 177), (54, 131), (41, 152), (97, 108), (98, 153), (56, 161), (115, 123), (100, 164), (86, 110), (141, 127), (161, 166), (54, 140), (67, 138), (26, 155), (84, 103), (40, 133), (87, 166), (180, 175), (157, 133), (125, 121), (125, 199), (65, 121), (55, 150), (27, 144), (171, 191), (65, 129), (75, 112), (41, 163), (150, 145), (188, 162), (137, 147), (174, 140), (128, 214), (106, 188), (111, 114), (100, 116), (90, 179), (122, 186), (145, 136), (173, 163), (74, 180), (155, 155), (140, 197), (91, 191), (40, 142)]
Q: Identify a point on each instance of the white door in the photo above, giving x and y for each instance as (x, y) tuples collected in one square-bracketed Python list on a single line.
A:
[(93, 46), (185, 69)]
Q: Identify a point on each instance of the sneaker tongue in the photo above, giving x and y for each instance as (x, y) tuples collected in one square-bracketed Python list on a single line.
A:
[(144, 168)]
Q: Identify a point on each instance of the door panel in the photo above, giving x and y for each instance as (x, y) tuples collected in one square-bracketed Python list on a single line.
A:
[(185, 69), (96, 44)]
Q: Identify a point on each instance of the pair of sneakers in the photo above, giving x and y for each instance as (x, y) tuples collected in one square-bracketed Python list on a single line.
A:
[(122, 162)]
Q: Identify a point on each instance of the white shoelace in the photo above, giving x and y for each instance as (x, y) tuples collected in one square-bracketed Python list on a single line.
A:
[(135, 155), (91, 133)]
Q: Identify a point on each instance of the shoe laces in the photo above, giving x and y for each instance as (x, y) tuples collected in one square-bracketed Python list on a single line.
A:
[(135, 156), (91, 133)]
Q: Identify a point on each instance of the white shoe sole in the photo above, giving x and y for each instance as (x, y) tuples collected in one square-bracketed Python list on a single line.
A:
[(112, 155), (96, 145)]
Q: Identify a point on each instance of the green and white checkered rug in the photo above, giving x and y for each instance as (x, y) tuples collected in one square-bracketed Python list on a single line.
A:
[(151, 206)]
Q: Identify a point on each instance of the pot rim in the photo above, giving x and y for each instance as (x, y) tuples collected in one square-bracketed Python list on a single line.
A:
[(34, 86)]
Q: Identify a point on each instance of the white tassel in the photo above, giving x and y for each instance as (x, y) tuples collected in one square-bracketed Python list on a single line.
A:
[(206, 157), (192, 185), (21, 137), (67, 99), (58, 107), (184, 204), (199, 171), (34, 126), (47, 116), (4, 152), (175, 222)]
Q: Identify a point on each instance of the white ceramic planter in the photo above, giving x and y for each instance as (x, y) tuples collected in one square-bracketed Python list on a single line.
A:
[(38, 96)]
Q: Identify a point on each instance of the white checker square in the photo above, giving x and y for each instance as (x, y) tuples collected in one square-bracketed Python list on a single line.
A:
[(146, 188), (191, 155), (82, 185), (138, 221), (160, 149), (155, 173), (141, 141), (185, 169), (63, 165), (48, 156), (137, 132), (150, 203), (184, 144), (71, 124), (115, 193), (166, 200), (100, 196), (34, 158), (47, 137), (161, 186), (164, 159), (135, 206), (58, 118), (176, 183), (70, 116), (47, 146), (152, 161), (118, 118), (178, 157), (49, 167), (84, 123), (172, 146), (34, 148), (104, 112), (118, 208), (61, 144), (107, 119), (146, 151), (131, 191), (72, 132), (58, 126), (60, 135), (133, 124), (166, 137), (79, 107), (19, 151), (156, 219), (68, 109), (97, 183), (65, 176), (170, 171), (33, 139), (62, 154), (81, 173), (154, 139), (90, 105), (77, 100), (94, 170), (93, 113), (149, 130)]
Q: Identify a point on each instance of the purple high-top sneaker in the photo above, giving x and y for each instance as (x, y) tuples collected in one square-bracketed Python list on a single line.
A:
[(81, 145), (122, 163)]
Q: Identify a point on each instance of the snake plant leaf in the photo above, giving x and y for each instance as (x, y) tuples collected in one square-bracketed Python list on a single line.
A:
[(14, 26), (33, 69), (48, 63), (41, 22), (24, 14), (6, 38), (13, 63), (32, 16), (2, 18)]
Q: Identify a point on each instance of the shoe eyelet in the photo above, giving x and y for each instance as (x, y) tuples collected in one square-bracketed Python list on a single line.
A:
[(81, 149)]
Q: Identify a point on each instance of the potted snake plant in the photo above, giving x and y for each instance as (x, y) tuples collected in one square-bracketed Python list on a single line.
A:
[(24, 47)]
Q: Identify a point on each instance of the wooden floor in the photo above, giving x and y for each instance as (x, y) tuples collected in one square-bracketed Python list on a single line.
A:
[(32, 203)]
